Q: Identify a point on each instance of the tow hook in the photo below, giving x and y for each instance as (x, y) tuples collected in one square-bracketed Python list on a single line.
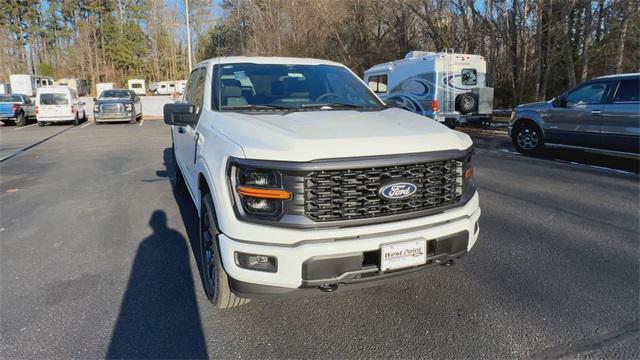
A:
[(328, 287), (447, 263)]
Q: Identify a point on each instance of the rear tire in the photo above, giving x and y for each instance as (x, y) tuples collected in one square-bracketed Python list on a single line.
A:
[(466, 103), (21, 120), (215, 279), (527, 138), (76, 121), (40, 123)]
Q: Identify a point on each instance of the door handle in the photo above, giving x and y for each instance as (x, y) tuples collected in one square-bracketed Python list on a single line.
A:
[(595, 112), (181, 130)]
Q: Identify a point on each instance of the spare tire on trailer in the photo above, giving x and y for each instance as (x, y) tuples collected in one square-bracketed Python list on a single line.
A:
[(466, 103)]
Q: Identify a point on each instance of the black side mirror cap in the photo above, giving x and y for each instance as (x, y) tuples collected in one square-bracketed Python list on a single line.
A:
[(180, 114), (559, 101), (94, 99)]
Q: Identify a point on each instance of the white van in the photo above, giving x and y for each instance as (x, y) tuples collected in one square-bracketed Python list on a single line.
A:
[(57, 104)]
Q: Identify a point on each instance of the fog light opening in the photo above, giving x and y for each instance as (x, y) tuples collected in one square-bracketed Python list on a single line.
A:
[(257, 262)]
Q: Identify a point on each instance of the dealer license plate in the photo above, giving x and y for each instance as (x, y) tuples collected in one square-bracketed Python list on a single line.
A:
[(403, 255)]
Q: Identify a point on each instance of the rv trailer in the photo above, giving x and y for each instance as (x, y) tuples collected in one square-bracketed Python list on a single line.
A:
[(80, 86), (28, 84), (100, 87), (445, 86), (138, 86)]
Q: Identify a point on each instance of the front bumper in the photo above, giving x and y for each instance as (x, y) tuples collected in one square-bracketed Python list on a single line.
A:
[(99, 117), (310, 264)]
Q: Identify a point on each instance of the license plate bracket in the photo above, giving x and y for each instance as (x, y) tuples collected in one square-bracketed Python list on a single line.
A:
[(403, 254)]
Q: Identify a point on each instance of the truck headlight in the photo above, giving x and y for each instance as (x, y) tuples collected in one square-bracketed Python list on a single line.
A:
[(260, 192), (128, 107)]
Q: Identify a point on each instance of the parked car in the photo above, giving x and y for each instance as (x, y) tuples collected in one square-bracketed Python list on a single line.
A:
[(600, 115), (117, 105), (16, 108), (304, 180), (59, 104)]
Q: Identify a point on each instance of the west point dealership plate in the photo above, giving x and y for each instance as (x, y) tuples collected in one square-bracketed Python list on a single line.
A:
[(403, 255)]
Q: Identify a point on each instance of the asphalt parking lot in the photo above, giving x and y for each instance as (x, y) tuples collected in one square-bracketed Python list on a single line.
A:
[(97, 260)]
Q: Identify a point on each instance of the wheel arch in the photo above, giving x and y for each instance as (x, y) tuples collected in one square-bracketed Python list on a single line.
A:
[(536, 121)]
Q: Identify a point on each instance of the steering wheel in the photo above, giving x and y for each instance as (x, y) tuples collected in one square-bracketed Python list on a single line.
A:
[(326, 95)]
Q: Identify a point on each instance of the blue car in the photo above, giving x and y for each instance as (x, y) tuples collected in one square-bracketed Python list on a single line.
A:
[(16, 108)]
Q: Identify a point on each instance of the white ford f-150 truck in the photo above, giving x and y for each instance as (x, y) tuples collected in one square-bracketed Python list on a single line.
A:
[(305, 181)]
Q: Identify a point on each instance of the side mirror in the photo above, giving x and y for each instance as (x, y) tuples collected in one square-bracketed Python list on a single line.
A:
[(180, 114), (94, 99), (559, 101)]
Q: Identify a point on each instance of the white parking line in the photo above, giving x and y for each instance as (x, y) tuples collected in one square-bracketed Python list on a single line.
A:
[(87, 124), (24, 127), (141, 122)]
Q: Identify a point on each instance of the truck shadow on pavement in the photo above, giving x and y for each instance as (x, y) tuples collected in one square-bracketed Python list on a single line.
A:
[(159, 315)]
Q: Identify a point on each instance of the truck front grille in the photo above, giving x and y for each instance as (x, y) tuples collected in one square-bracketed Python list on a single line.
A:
[(111, 108), (332, 195)]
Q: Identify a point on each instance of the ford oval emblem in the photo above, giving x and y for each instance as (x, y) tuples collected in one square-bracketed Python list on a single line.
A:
[(398, 190)]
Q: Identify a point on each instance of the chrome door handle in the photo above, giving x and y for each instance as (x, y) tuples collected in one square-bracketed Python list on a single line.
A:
[(595, 112)]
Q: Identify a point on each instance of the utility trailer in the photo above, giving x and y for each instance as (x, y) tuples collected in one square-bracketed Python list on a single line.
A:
[(444, 86), (28, 84)]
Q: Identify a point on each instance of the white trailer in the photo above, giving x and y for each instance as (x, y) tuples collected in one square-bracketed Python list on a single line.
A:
[(100, 87), (80, 86), (138, 86), (168, 87), (5, 88), (28, 84), (444, 86)]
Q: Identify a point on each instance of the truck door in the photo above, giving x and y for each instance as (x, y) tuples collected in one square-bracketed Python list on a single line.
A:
[(621, 118), (578, 123), (185, 137)]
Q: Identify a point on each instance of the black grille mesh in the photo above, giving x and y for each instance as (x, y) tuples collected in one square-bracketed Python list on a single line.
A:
[(353, 194)]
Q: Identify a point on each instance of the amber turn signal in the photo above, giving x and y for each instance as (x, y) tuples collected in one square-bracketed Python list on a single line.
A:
[(264, 193), (468, 173)]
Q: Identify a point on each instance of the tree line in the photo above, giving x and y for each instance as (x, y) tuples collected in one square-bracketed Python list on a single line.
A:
[(534, 49)]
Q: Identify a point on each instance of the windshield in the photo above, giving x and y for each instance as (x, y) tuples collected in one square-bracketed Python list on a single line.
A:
[(116, 94), (10, 98), (291, 87), (54, 99)]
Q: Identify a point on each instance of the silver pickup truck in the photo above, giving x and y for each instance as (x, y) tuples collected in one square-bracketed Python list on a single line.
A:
[(16, 108), (601, 115)]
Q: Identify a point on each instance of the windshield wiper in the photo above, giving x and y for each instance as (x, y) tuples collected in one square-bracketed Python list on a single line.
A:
[(332, 105), (255, 107)]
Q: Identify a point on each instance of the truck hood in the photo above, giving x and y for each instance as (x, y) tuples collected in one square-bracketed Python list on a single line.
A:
[(534, 106), (312, 135)]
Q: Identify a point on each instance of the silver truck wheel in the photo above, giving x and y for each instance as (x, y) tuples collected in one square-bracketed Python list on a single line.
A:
[(527, 138), (215, 280)]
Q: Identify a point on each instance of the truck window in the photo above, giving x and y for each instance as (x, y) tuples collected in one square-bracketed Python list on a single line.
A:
[(54, 99), (194, 92), (378, 83), (136, 86), (587, 94), (628, 91), (469, 77)]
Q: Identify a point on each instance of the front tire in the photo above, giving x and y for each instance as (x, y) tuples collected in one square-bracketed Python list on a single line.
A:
[(527, 138), (40, 123), (76, 121), (215, 280), (21, 120), (180, 185)]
